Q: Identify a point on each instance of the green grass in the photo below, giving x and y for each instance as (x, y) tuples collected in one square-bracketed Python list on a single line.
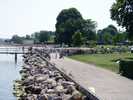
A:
[(107, 61)]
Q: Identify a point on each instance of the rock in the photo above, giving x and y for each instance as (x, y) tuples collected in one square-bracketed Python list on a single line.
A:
[(24, 75), (76, 95), (49, 86), (59, 88), (23, 71), (41, 78), (31, 97), (43, 82), (18, 93), (42, 97), (58, 98), (50, 81), (43, 91), (28, 82), (58, 77), (66, 97), (26, 67), (70, 89), (25, 56), (54, 84), (17, 84), (50, 91), (51, 96), (92, 89), (66, 83), (45, 71), (60, 81), (52, 74), (33, 89)]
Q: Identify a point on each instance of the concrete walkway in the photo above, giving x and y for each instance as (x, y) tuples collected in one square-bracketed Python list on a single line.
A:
[(107, 85)]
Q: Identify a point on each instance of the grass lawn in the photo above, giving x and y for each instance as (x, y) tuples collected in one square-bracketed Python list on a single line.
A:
[(107, 61)]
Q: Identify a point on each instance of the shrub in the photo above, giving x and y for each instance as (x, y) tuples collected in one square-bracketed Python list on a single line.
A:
[(91, 44), (126, 68)]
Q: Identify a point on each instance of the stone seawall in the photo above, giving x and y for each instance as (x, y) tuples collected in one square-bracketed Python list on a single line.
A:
[(42, 81)]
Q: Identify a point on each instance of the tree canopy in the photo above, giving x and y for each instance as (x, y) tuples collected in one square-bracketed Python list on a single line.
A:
[(17, 39), (42, 36), (70, 21), (77, 39), (107, 33), (89, 29), (122, 12)]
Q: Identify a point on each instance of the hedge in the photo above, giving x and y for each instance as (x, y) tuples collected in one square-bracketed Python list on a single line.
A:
[(126, 68)]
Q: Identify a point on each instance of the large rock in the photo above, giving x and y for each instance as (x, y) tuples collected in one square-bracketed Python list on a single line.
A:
[(41, 78), (33, 89), (76, 95)]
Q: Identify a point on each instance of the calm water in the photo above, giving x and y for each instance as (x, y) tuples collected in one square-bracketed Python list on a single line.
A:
[(9, 71)]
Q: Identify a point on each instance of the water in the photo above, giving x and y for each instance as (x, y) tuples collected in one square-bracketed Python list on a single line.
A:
[(9, 71)]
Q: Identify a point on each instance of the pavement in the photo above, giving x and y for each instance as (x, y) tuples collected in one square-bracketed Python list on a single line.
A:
[(107, 85)]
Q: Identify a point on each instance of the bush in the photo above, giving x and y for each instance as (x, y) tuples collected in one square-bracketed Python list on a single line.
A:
[(91, 44), (126, 68)]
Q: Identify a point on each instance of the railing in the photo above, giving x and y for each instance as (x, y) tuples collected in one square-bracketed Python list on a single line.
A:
[(13, 50)]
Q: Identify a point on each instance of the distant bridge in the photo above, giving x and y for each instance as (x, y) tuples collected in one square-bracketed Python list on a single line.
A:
[(13, 50)]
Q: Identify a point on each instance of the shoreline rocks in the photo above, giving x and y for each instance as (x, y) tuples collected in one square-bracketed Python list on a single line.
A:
[(40, 81)]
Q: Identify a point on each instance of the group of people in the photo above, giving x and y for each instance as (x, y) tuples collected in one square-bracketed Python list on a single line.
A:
[(57, 54), (51, 53)]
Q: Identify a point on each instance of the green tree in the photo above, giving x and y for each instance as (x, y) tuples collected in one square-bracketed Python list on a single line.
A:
[(43, 36), (17, 39), (122, 12), (27, 37), (77, 39), (68, 22), (120, 37), (35, 37), (107, 37), (89, 30), (102, 34), (112, 30)]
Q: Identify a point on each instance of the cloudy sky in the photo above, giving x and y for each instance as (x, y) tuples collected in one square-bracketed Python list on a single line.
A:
[(28, 16)]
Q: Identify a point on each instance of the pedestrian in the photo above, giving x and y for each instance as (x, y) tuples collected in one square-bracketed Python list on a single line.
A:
[(55, 54), (23, 49), (61, 55)]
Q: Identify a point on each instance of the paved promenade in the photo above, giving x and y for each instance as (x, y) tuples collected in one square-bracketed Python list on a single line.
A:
[(107, 85)]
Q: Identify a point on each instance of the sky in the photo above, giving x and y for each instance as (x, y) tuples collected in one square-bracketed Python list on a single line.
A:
[(23, 17)]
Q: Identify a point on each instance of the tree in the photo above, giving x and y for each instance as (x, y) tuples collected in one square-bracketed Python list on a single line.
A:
[(107, 37), (122, 12), (35, 37), (68, 22), (89, 29), (109, 31), (77, 39), (112, 30), (43, 36), (17, 39), (120, 37), (27, 37)]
